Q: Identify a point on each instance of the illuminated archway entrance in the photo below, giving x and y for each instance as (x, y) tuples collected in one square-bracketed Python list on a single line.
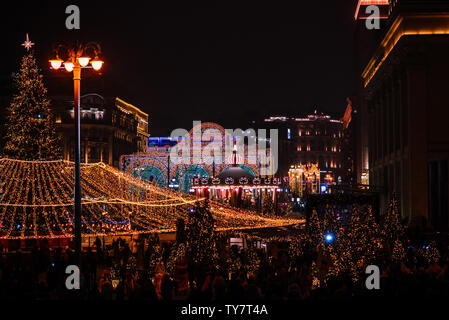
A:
[(190, 172), (151, 174)]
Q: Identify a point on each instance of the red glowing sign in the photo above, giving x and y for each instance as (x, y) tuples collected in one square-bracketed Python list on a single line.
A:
[(369, 3)]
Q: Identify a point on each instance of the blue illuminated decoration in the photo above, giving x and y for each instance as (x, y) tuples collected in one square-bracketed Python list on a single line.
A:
[(323, 188), (109, 221), (190, 172), (162, 141), (151, 174), (329, 237)]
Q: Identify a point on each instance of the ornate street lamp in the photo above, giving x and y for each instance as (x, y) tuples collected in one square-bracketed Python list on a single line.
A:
[(74, 59)]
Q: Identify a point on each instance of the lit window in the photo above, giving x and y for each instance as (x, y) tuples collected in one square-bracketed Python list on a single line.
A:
[(236, 242)]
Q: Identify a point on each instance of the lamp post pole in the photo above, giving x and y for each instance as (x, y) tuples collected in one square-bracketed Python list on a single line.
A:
[(76, 58), (77, 178)]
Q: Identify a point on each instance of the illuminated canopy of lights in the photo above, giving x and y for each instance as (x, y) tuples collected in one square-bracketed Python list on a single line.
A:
[(36, 201)]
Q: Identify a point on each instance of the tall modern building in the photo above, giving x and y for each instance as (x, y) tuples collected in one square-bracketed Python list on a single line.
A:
[(403, 104)]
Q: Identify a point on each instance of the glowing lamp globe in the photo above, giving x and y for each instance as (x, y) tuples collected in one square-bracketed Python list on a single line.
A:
[(68, 66), (84, 61), (56, 64), (96, 64)]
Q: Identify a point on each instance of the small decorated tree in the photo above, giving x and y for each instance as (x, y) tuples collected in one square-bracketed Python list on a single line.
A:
[(153, 254), (200, 235), (314, 230), (357, 247), (392, 228), (251, 260), (398, 253), (268, 204), (296, 250), (330, 221)]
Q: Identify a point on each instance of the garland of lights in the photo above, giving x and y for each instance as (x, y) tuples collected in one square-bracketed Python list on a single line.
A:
[(37, 202)]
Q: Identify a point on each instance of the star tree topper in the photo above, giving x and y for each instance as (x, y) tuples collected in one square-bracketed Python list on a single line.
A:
[(28, 44)]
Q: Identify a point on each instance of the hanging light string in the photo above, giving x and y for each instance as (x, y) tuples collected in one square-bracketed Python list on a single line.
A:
[(36, 201)]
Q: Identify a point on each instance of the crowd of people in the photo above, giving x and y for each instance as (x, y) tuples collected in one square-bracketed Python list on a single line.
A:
[(123, 271)]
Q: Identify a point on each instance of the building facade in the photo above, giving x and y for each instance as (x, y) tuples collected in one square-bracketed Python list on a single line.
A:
[(403, 94), (316, 139), (142, 122), (109, 128)]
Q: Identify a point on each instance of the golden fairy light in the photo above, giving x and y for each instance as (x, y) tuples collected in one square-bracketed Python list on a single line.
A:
[(37, 202)]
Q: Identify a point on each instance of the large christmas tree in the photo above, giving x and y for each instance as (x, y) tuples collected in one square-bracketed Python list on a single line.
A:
[(30, 132)]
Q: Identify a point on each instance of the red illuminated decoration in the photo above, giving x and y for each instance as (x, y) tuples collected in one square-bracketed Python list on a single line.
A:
[(362, 4), (347, 116)]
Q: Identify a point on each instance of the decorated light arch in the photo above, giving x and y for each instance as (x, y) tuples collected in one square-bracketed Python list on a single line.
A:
[(152, 174), (179, 176), (189, 172)]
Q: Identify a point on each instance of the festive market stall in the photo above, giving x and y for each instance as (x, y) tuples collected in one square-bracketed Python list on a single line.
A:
[(238, 188)]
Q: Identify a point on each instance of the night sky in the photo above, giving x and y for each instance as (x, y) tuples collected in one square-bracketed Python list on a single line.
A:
[(225, 61)]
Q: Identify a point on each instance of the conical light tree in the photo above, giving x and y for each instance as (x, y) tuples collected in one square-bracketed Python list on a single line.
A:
[(200, 235), (330, 222), (314, 229), (30, 132), (392, 227)]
